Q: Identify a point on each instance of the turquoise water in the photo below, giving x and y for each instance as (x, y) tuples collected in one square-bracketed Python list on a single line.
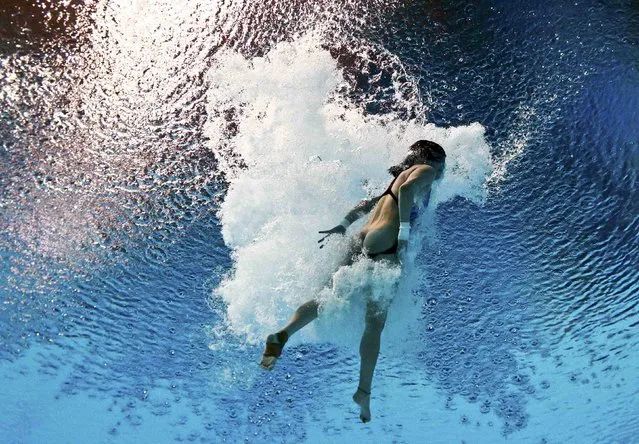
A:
[(164, 170)]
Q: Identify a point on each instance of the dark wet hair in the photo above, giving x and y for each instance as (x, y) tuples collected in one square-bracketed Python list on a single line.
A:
[(419, 152)]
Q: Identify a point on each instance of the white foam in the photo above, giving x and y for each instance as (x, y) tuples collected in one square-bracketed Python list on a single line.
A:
[(310, 158)]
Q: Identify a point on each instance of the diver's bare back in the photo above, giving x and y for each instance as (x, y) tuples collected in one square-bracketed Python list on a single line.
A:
[(380, 232)]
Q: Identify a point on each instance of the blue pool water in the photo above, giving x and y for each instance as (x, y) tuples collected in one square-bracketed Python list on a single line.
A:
[(164, 169)]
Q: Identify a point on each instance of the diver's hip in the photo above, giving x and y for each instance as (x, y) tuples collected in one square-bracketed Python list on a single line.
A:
[(379, 238)]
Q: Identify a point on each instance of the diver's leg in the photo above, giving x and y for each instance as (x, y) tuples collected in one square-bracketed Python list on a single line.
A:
[(308, 311), (275, 342), (369, 345), (305, 313), (369, 351)]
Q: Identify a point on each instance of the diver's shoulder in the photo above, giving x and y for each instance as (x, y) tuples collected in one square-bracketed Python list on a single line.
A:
[(411, 170), (422, 170), (416, 173), (425, 167)]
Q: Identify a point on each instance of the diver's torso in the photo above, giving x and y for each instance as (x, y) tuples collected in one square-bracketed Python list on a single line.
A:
[(380, 232)]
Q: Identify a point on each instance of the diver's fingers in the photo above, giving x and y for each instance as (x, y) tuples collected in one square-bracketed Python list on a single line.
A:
[(322, 239)]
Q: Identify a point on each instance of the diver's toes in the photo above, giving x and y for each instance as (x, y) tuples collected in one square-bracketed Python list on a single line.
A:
[(268, 362)]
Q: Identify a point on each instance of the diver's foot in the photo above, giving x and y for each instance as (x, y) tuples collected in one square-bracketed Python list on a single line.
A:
[(273, 349), (363, 399)]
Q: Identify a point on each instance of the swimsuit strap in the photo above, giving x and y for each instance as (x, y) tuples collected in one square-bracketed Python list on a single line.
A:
[(388, 190)]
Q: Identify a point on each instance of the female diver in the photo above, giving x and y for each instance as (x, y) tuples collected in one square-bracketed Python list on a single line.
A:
[(383, 237)]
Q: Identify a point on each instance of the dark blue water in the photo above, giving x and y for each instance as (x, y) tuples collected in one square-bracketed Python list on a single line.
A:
[(111, 247)]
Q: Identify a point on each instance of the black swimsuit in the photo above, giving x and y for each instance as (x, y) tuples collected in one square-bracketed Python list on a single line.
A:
[(390, 191), (393, 249)]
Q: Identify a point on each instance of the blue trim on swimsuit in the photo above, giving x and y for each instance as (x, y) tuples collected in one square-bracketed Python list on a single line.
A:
[(414, 211)]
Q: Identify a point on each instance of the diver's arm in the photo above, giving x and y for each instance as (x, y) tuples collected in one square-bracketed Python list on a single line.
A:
[(420, 179), (362, 208), (359, 210), (405, 201)]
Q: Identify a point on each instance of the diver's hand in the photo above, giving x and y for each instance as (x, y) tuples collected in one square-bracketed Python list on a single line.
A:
[(339, 229)]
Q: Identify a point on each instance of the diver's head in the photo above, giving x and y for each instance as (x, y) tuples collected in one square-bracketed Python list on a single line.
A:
[(422, 152)]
